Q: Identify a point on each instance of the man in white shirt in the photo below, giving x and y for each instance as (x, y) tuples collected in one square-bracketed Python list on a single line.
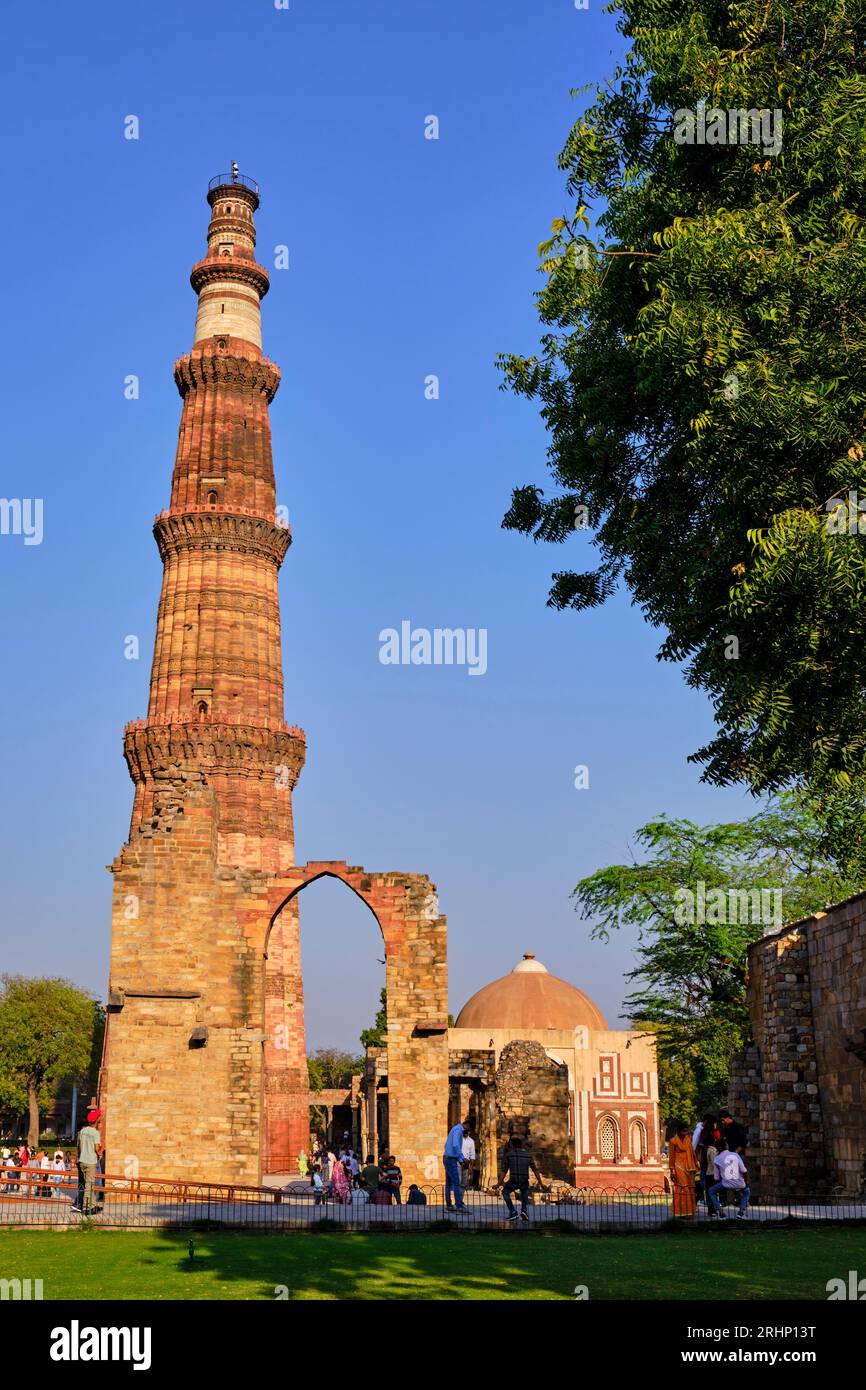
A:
[(729, 1170), (468, 1159)]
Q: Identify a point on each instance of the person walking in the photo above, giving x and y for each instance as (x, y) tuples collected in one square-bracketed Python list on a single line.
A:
[(89, 1151), (519, 1163), (339, 1182), (317, 1185), (684, 1168), (453, 1159)]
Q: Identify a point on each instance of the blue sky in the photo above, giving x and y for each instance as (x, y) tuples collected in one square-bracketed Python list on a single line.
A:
[(408, 257)]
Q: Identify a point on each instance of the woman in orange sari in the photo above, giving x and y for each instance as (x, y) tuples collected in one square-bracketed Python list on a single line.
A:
[(684, 1167)]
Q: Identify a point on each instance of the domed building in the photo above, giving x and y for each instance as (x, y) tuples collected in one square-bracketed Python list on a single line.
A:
[(530, 997), (531, 1054)]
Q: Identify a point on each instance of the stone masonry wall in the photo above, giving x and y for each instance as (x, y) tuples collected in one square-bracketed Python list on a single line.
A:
[(190, 946), (802, 1089), (745, 1102), (532, 1101), (180, 961), (837, 971)]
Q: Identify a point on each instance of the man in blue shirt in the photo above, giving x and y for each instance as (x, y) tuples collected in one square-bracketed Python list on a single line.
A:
[(453, 1158)]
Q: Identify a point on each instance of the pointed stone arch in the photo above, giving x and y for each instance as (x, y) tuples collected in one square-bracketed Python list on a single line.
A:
[(406, 909), (609, 1139)]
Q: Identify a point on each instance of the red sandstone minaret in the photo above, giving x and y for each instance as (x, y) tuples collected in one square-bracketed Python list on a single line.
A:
[(215, 713), (216, 688)]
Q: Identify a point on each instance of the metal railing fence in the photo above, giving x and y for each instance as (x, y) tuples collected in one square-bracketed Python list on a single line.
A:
[(33, 1197)]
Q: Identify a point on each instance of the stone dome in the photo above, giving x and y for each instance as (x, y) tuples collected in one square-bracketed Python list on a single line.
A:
[(530, 997)]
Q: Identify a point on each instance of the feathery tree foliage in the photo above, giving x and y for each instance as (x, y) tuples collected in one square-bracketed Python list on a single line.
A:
[(701, 376), (692, 974)]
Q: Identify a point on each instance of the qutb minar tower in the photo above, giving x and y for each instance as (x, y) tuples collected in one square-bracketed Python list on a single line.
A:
[(216, 687), (215, 712), (204, 1071)]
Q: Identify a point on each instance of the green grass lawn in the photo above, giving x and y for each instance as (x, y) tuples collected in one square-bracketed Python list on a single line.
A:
[(717, 1263)]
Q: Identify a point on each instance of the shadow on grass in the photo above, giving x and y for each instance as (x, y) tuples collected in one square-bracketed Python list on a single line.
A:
[(389, 1264), (713, 1263), (789, 1261)]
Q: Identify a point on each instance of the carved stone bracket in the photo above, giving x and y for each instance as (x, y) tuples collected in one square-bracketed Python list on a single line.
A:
[(206, 530), (155, 752), (226, 369)]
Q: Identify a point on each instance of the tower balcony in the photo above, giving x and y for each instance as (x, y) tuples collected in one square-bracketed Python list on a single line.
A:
[(181, 720), (226, 361), (224, 508), (231, 182), (208, 526), (215, 269)]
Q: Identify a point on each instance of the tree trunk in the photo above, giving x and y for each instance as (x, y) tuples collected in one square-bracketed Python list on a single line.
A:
[(33, 1109)]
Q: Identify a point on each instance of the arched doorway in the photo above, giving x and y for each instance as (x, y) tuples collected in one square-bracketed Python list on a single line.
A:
[(416, 982), (324, 974)]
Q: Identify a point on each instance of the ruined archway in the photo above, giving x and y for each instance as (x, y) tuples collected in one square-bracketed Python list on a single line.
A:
[(287, 1097), (187, 1036), (342, 960), (416, 985)]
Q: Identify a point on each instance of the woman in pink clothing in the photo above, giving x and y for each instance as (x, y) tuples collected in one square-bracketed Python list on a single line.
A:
[(339, 1182)]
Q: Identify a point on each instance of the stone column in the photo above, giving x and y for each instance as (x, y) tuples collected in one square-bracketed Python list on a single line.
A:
[(286, 1081)]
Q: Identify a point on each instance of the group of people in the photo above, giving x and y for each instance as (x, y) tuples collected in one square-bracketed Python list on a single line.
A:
[(341, 1178), (708, 1164), (27, 1159), (459, 1161), (52, 1171)]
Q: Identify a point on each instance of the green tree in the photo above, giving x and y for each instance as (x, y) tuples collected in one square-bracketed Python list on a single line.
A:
[(373, 1037), (48, 1030), (700, 374), (679, 1095), (691, 973), (330, 1068)]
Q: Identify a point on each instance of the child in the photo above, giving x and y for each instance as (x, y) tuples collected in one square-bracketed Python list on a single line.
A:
[(729, 1171), (317, 1185)]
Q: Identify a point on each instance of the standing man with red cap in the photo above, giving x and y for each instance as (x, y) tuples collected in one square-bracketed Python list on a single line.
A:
[(89, 1150)]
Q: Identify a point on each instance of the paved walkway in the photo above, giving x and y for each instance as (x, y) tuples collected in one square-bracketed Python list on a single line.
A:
[(482, 1210)]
